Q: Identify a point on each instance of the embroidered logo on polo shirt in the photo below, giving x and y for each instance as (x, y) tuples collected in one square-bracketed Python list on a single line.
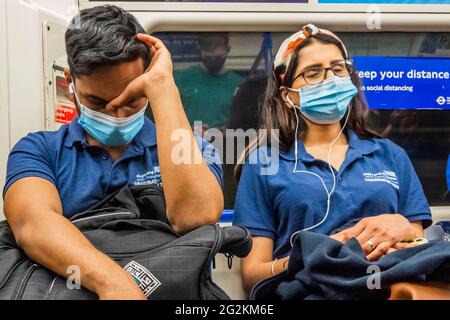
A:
[(150, 177), (384, 176)]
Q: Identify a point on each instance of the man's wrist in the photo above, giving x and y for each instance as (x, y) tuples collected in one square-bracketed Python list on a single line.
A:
[(160, 86), (107, 278)]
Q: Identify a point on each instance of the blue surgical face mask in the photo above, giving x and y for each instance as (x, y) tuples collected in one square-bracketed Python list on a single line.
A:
[(110, 131), (326, 102)]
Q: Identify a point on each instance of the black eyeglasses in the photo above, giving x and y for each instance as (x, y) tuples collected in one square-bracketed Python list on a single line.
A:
[(317, 75)]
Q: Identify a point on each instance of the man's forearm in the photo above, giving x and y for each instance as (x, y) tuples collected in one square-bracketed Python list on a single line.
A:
[(191, 189), (52, 241)]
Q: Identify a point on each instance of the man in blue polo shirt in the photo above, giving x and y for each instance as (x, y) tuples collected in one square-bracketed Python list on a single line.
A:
[(116, 71)]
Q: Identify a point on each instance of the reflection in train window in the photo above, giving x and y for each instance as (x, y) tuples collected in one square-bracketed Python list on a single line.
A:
[(222, 78)]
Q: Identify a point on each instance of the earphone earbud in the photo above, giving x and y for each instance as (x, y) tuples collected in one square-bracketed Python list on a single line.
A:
[(291, 103)]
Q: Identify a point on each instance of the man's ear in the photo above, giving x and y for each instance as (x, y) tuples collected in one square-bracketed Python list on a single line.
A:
[(68, 76), (69, 80)]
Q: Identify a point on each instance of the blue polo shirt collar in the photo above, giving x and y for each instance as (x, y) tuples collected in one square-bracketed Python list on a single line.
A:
[(145, 138), (356, 144)]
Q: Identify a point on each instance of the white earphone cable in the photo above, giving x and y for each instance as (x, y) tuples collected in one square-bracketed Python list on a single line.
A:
[(329, 193)]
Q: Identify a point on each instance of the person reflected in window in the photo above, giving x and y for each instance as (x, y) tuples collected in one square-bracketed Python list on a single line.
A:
[(207, 89), (246, 106)]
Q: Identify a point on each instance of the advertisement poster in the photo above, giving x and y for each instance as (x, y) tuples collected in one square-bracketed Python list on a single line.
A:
[(405, 83)]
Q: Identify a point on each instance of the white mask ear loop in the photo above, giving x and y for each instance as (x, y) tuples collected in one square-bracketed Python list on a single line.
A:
[(329, 193), (74, 92), (296, 129)]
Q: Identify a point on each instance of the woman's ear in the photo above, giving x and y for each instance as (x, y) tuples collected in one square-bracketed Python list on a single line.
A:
[(284, 94)]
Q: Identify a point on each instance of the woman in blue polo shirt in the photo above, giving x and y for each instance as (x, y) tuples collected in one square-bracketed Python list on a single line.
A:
[(331, 169)]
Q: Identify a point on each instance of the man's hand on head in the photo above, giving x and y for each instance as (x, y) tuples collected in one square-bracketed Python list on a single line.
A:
[(160, 72)]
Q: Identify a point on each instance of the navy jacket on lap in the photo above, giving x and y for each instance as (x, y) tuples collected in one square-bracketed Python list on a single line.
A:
[(323, 268)]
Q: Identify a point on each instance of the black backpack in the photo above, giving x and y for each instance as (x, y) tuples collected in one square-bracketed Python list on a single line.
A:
[(131, 227)]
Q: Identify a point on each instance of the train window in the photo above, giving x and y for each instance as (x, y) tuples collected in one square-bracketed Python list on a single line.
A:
[(222, 78), (416, 113)]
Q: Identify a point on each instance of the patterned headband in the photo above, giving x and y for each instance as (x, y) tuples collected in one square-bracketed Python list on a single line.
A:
[(287, 48)]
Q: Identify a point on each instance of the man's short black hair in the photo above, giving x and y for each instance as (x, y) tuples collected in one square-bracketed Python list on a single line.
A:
[(103, 36)]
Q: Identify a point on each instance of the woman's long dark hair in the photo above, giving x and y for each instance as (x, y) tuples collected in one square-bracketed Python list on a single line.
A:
[(275, 114)]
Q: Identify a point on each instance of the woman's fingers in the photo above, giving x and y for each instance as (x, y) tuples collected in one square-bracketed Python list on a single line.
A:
[(383, 249), (356, 230), (404, 245), (391, 250), (386, 247), (365, 236), (338, 237), (379, 251), (370, 245), (398, 246), (349, 233)]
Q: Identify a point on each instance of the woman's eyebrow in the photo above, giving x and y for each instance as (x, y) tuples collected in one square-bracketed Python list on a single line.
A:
[(336, 61), (315, 65)]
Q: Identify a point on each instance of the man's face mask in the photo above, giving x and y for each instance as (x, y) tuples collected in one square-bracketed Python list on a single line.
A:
[(326, 102), (108, 130), (214, 63)]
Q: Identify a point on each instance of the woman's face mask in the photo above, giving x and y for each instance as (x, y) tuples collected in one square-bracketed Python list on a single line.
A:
[(110, 131), (326, 102)]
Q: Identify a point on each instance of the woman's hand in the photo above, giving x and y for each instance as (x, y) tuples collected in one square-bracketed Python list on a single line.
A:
[(399, 246), (380, 235), (148, 84)]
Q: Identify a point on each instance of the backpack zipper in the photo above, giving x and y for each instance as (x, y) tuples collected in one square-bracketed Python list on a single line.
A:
[(102, 215), (24, 281), (11, 272), (156, 248), (214, 250), (138, 254), (7, 247)]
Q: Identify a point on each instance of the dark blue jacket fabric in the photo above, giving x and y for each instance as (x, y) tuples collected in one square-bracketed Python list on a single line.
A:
[(323, 268)]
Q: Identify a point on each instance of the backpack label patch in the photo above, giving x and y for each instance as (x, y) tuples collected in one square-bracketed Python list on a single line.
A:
[(143, 277)]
